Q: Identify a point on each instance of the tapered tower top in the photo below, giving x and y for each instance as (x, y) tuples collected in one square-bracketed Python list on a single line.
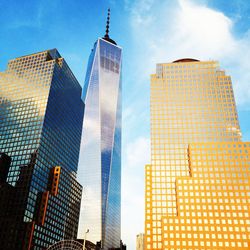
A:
[(106, 37)]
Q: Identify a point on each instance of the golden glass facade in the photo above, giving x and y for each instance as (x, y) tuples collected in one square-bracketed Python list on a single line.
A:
[(192, 102), (214, 202)]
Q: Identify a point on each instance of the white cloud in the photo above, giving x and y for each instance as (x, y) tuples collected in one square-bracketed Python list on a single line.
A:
[(137, 153), (136, 156), (202, 31), (190, 29)]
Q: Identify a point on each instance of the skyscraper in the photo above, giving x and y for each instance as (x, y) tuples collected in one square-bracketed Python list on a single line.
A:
[(41, 114), (100, 157), (199, 172)]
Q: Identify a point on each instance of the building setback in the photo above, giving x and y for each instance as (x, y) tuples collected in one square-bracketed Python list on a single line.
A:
[(197, 185), (41, 114), (100, 157)]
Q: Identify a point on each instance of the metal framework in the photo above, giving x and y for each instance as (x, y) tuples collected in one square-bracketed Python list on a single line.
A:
[(66, 245)]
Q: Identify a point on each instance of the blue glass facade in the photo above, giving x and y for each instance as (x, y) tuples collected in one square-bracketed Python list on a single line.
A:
[(100, 157), (41, 114)]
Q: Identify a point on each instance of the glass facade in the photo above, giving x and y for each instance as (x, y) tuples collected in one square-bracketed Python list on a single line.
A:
[(100, 157), (214, 202), (41, 114), (191, 102)]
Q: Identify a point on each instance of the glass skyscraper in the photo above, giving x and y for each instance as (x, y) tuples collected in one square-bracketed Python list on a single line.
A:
[(197, 185), (41, 115), (100, 158)]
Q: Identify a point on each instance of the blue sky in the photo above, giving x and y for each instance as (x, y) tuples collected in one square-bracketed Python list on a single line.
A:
[(150, 31)]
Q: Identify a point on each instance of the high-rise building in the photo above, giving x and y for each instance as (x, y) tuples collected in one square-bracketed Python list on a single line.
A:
[(140, 241), (197, 185), (41, 114), (100, 158)]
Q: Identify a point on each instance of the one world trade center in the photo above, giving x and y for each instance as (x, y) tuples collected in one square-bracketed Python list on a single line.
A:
[(100, 159)]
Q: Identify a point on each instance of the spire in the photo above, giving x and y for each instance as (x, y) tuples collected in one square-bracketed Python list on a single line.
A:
[(106, 37), (107, 25)]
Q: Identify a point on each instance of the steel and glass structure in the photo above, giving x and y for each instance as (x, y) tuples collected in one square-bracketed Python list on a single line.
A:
[(66, 245), (41, 114), (197, 185), (100, 158)]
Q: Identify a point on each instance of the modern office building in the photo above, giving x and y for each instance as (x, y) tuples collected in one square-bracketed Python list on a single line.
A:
[(140, 241), (41, 114), (100, 158), (197, 185)]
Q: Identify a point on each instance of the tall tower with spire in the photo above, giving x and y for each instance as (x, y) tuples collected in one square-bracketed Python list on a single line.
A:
[(100, 158)]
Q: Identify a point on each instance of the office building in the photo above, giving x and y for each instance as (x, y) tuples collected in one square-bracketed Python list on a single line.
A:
[(140, 241), (41, 114), (196, 191), (100, 158)]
